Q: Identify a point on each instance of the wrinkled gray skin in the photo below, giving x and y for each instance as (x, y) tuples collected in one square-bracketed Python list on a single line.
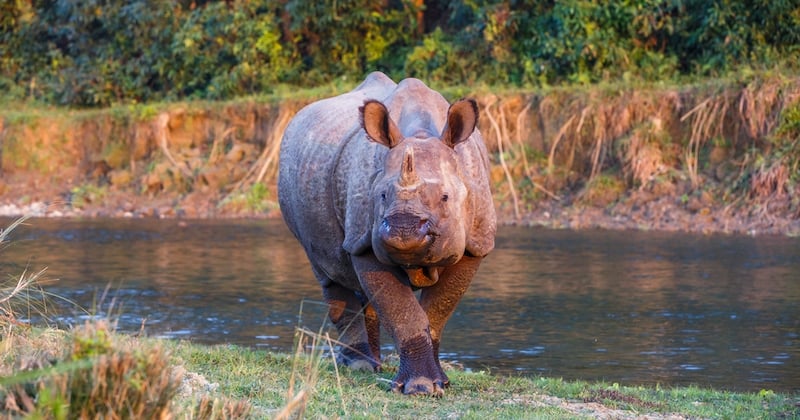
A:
[(387, 189)]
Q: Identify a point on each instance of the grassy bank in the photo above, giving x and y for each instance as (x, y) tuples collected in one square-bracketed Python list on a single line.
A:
[(92, 371)]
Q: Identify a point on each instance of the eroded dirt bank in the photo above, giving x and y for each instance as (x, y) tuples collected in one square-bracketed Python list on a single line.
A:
[(712, 158)]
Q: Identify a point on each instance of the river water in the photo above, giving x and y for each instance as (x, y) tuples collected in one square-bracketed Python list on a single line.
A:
[(626, 307)]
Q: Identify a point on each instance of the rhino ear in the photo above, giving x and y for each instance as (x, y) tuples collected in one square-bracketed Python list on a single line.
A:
[(379, 126), (462, 117)]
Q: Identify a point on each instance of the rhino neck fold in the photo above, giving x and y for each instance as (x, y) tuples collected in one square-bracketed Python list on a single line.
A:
[(422, 276)]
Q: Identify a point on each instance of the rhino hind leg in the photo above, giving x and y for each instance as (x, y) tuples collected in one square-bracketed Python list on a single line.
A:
[(346, 311), (373, 326)]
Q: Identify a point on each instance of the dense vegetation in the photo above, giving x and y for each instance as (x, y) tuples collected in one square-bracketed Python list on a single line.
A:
[(100, 52)]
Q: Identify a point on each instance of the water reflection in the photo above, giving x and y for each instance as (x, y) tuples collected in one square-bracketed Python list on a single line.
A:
[(620, 306)]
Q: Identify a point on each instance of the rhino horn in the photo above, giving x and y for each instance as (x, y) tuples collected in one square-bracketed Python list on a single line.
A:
[(408, 176)]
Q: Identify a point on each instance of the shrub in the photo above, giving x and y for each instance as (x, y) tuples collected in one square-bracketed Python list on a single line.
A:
[(95, 52), (223, 51)]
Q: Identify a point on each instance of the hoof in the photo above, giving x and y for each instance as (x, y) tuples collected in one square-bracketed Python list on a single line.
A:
[(361, 365), (420, 386), (358, 363)]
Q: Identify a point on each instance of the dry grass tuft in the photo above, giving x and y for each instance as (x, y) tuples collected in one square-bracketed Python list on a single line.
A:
[(760, 104), (498, 135), (122, 383), (209, 408), (22, 294), (306, 369), (642, 153), (707, 120), (99, 378), (770, 181)]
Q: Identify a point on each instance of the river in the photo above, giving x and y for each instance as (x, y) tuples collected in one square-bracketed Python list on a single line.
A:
[(627, 307)]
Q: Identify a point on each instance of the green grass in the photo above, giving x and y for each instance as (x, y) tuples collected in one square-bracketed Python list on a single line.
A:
[(263, 378), (228, 381)]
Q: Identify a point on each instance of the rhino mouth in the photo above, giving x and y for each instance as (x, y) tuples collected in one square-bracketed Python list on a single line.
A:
[(406, 237)]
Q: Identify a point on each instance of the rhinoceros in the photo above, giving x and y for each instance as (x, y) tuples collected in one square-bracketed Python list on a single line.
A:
[(387, 189)]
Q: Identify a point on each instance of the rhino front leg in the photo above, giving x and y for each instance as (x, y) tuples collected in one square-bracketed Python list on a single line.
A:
[(439, 301), (345, 310), (401, 314)]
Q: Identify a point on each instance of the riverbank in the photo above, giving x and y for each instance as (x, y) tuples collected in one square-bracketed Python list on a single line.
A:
[(712, 157), (634, 210), (48, 371)]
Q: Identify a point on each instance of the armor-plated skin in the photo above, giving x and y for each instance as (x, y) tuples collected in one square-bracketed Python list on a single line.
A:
[(387, 189)]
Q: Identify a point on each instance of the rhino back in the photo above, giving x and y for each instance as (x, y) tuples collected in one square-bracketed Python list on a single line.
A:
[(310, 147)]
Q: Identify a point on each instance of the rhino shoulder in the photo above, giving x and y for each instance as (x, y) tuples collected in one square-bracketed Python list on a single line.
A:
[(474, 165), (354, 179)]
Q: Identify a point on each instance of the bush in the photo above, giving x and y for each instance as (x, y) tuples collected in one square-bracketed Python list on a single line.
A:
[(349, 37), (97, 52), (224, 51)]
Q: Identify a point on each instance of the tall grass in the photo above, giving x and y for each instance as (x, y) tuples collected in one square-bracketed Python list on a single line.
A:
[(19, 294)]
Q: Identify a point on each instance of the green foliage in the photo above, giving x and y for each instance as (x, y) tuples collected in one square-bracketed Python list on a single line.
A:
[(436, 60), (90, 52), (789, 128), (96, 52), (86, 346), (257, 196), (347, 37), (222, 51), (256, 199)]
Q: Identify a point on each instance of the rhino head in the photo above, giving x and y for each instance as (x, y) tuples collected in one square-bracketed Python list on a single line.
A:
[(420, 219)]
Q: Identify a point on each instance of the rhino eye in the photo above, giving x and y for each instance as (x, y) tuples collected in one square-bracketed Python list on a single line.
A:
[(383, 196), (445, 197)]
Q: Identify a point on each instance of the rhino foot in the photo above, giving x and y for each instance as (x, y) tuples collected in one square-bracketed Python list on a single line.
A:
[(357, 359), (420, 372), (359, 364), (363, 365), (420, 385)]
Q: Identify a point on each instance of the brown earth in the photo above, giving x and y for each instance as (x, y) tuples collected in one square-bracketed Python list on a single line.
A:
[(30, 194), (708, 160)]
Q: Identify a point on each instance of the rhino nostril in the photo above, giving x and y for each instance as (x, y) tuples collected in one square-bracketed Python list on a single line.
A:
[(424, 225), (405, 227)]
